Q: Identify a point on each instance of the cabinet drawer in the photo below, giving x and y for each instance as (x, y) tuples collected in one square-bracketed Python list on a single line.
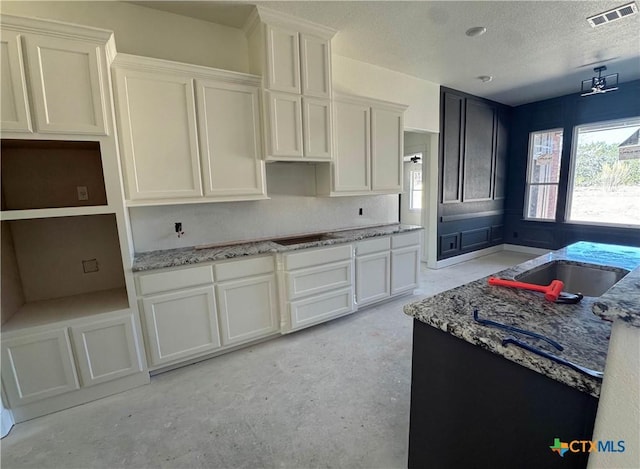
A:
[(408, 239), (311, 257), (307, 282), (373, 245), (244, 268), (175, 279), (320, 308)]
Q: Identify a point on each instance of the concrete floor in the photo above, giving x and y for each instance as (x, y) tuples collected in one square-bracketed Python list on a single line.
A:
[(334, 395)]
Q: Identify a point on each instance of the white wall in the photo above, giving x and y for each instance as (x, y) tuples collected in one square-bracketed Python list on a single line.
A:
[(618, 415), (422, 97), (292, 209), (152, 33)]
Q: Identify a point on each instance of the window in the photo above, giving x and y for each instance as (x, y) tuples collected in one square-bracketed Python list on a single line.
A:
[(543, 174), (415, 199), (605, 174)]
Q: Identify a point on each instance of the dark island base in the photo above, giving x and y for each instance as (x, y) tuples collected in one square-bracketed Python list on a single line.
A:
[(473, 409)]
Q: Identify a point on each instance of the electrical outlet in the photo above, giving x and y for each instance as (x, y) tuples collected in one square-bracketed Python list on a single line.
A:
[(360, 211), (83, 193), (90, 265)]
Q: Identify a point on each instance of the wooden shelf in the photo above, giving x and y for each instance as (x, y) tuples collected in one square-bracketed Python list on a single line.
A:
[(38, 313), (8, 215)]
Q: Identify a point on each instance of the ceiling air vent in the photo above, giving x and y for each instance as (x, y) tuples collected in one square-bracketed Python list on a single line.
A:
[(613, 15)]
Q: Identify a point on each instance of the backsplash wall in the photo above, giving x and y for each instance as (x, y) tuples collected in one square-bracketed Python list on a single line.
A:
[(282, 215)]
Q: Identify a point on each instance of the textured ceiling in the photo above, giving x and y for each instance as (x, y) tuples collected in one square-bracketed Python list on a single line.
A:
[(534, 50)]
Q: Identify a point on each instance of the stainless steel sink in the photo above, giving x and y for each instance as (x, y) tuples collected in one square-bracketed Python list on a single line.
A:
[(302, 239), (590, 280)]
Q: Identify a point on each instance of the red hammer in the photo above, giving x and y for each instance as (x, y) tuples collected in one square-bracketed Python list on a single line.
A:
[(551, 291)]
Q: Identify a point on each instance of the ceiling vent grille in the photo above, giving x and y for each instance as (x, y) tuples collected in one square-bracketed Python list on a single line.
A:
[(613, 15)]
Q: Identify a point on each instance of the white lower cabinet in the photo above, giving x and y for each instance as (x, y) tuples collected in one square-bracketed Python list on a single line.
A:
[(248, 309), (386, 266), (196, 311), (106, 350), (405, 265), (180, 324), (317, 285), (373, 277), (38, 366)]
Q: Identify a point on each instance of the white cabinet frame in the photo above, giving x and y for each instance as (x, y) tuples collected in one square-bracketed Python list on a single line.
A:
[(15, 102)]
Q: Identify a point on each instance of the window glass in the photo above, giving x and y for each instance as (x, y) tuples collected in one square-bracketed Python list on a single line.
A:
[(606, 174), (543, 174), (415, 202)]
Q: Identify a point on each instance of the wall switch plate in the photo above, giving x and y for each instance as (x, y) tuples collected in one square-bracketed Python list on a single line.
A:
[(90, 265), (83, 193)]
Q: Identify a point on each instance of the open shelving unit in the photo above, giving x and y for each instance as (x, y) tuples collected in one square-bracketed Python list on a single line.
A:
[(61, 256)]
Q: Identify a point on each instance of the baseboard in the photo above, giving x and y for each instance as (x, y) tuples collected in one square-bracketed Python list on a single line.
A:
[(525, 249), (7, 421), (468, 256)]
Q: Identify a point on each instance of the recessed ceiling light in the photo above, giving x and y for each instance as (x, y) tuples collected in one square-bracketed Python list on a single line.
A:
[(476, 31), (485, 78)]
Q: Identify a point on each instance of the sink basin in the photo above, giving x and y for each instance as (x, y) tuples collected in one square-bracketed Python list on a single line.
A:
[(590, 280), (302, 239)]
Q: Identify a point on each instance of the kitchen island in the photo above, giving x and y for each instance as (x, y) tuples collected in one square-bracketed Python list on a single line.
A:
[(477, 403)]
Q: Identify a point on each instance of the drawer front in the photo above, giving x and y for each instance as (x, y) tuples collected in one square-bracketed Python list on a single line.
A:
[(312, 257), (407, 239), (373, 245), (320, 308), (174, 280), (244, 268), (305, 282)]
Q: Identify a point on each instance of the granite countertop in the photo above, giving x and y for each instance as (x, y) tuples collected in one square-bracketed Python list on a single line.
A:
[(583, 334), (152, 260)]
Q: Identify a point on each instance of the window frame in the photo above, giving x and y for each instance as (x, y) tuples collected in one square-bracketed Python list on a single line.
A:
[(528, 183), (572, 172)]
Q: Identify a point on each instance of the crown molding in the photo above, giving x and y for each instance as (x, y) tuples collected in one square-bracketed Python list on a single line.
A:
[(277, 18), (364, 100), (149, 64), (55, 29)]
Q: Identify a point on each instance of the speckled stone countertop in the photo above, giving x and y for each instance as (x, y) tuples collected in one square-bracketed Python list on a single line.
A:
[(583, 334), (152, 260)]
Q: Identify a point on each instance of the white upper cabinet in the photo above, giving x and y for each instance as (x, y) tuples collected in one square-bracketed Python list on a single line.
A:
[(386, 149), (285, 125), (158, 135), (66, 67), (283, 59), (66, 78), (368, 148), (316, 66), (352, 163), (229, 125), (189, 134), (15, 104), (294, 56)]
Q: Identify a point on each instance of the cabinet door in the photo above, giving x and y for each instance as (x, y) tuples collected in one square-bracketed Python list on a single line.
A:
[(159, 143), (386, 150), (247, 309), (405, 269), (316, 118), (68, 83), (181, 324), (15, 104), (38, 366), (316, 66), (106, 350), (283, 59), (373, 274), (229, 124), (479, 150), (285, 125), (352, 143)]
